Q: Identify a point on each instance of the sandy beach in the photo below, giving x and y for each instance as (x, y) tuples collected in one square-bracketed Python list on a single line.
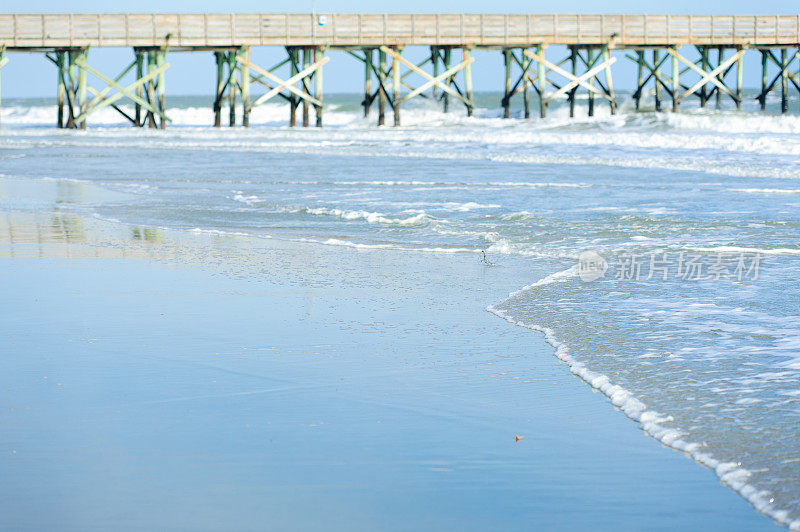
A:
[(158, 379)]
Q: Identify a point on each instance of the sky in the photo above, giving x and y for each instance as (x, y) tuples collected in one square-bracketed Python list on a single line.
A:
[(31, 75)]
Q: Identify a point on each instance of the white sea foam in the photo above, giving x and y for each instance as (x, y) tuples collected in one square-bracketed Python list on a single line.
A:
[(329, 241), (369, 217), (487, 139), (766, 190), (733, 475), (740, 249)]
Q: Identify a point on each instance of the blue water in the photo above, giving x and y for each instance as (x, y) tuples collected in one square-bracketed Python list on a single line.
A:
[(703, 350)]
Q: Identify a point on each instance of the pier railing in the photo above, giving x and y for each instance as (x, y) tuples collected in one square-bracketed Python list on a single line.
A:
[(354, 30)]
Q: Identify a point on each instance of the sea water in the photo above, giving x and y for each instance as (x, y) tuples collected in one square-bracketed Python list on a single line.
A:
[(671, 240)]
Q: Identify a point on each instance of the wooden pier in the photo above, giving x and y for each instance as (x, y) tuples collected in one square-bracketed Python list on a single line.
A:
[(655, 43)]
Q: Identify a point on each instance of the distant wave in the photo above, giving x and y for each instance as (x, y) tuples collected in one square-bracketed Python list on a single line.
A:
[(738, 249), (766, 190), (368, 216)]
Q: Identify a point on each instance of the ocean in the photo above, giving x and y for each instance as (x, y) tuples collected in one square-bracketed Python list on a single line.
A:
[(663, 248)]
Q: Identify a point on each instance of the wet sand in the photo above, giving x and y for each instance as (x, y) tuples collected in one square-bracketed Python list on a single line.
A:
[(178, 381)]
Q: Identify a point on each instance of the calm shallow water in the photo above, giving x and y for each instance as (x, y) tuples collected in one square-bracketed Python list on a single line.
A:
[(706, 359)]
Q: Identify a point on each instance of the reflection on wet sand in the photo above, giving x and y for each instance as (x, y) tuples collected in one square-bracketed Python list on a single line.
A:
[(55, 235)]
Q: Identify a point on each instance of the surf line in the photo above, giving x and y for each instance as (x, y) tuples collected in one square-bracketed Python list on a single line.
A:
[(731, 474)]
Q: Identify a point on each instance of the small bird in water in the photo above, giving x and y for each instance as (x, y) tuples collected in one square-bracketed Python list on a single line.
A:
[(517, 438)]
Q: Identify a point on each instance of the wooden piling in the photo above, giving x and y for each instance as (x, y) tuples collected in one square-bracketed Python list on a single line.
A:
[(720, 77), (2, 62), (318, 52), (231, 60), (304, 83), (639, 77), (61, 88), (526, 104), (396, 86), (219, 92), (676, 73), (448, 81), (293, 70), (657, 76), (382, 88), (762, 98), (368, 65), (82, 86), (468, 81), (612, 102), (573, 56), (70, 77), (139, 75), (435, 67), (542, 83), (151, 89), (244, 53), (704, 65), (784, 82), (161, 88), (507, 96), (590, 61), (739, 75)]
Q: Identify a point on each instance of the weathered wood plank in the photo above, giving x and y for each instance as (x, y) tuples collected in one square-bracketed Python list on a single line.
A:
[(299, 29)]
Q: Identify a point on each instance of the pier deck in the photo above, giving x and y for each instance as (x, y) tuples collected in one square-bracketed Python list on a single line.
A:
[(26, 31)]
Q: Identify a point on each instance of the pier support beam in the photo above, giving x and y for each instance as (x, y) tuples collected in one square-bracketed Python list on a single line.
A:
[(243, 56), (593, 60), (652, 71), (73, 69), (236, 73), (444, 82), (523, 81), (3, 61), (395, 53), (785, 59), (378, 71), (712, 75), (68, 86), (368, 96), (383, 94)]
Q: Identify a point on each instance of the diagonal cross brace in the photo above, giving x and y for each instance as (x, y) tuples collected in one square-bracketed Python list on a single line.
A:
[(100, 96), (524, 77), (382, 83), (574, 80), (707, 77), (438, 80), (653, 69), (288, 84), (580, 80), (123, 91), (784, 68)]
